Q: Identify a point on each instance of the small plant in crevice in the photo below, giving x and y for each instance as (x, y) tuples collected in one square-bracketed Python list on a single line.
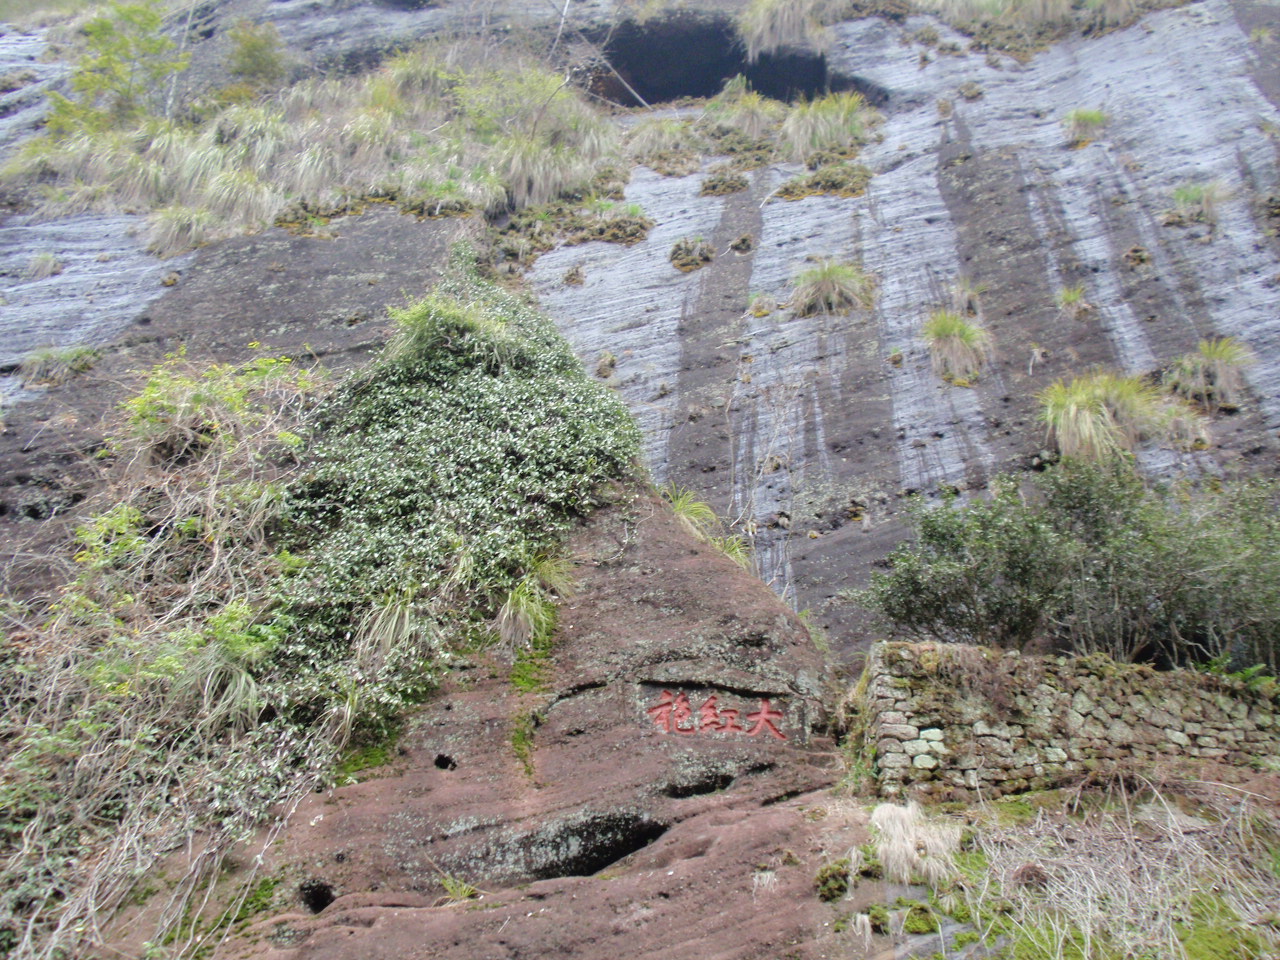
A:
[(1213, 376), (1197, 202), (701, 522), (42, 266), (1082, 125), (50, 368), (1071, 303), (957, 347), (691, 254), (832, 287)]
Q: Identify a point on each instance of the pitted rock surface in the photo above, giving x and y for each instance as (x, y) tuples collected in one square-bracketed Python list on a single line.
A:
[(679, 823)]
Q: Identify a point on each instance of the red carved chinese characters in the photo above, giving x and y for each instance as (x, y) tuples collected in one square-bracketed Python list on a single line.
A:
[(674, 714), (763, 719)]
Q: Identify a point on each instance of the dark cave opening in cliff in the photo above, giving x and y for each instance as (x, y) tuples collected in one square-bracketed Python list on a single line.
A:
[(692, 56)]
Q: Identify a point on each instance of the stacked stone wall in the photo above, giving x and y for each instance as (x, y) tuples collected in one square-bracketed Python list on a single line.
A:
[(951, 720)]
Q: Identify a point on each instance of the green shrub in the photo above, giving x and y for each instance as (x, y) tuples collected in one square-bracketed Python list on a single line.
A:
[(257, 55), (123, 73), (1097, 561)]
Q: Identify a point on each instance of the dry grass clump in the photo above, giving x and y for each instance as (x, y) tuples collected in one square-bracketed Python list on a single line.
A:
[(503, 132), (957, 347), (1102, 414), (832, 287), (766, 26), (1213, 376), (837, 123), (912, 848), (1183, 872)]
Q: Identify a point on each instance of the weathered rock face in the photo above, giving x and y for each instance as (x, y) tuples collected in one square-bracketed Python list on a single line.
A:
[(803, 419), (676, 727), (950, 720), (799, 428), (302, 297)]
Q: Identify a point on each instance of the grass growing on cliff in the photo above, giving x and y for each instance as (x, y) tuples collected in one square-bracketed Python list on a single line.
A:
[(832, 287), (442, 129), (957, 347), (1083, 124), (279, 566), (1096, 561), (1213, 376), (1103, 415), (766, 26), (837, 123)]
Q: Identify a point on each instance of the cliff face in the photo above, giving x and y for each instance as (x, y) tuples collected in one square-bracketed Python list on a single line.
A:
[(804, 419), (800, 428)]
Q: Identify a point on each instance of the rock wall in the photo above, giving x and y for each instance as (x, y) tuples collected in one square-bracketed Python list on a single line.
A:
[(944, 719)]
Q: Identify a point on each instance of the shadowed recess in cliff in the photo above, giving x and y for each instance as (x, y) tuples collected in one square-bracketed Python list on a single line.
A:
[(692, 56)]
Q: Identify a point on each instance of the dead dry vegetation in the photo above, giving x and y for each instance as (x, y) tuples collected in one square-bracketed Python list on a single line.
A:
[(1118, 867)]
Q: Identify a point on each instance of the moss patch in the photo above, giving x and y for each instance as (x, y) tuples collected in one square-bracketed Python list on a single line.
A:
[(835, 179)]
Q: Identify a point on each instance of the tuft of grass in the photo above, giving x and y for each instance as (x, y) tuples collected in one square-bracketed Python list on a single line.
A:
[(50, 367), (177, 229), (832, 287), (1102, 414), (1200, 201), (657, 135), (1083, 125), (694, 515), (1213, 376), (504, 133), (957, 347), (457, 890), (837, 123), (42, 266), (736, 548), (738, 108), (766, 26), (1071, 303), (911, 848)]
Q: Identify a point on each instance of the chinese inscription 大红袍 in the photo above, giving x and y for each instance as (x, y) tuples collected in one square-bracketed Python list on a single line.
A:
[(673, 713)]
